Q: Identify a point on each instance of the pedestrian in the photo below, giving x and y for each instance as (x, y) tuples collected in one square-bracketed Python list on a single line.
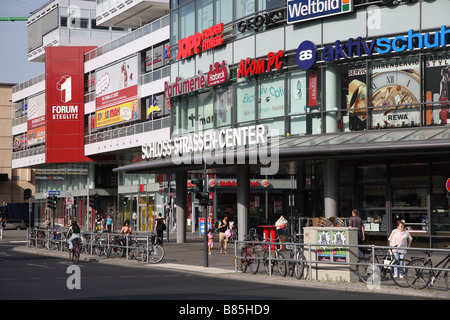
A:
[(98, 223), (1, 227), (210, 241), (223, 226), (282, 230), (109, 222), (355, 221), (160, 226), (399, 238), (126, 229)]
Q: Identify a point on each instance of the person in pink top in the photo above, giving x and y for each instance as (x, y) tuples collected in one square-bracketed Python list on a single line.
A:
[(399, 238)]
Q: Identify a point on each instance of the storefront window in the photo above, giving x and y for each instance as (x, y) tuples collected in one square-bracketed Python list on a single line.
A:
[(187, 113), (205, 119), (224, 11), (356, 97), (437, 80), (243, 8), (395, 93), (271, 97), (223, 106), (245, 100), (187, 20), (205, 17)]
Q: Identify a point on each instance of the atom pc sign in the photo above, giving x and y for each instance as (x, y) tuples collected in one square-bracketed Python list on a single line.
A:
[(304, 10)]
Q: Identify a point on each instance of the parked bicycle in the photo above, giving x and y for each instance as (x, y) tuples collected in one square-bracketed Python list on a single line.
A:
[(369, 271), (297, 265), (426, 274), (249, 253), (152, 251), (274, 258)]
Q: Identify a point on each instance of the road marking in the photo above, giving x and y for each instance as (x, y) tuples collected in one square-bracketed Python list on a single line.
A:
[(36, 265)]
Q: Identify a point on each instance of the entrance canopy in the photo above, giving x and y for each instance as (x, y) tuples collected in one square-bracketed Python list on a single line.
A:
[(387, 142)]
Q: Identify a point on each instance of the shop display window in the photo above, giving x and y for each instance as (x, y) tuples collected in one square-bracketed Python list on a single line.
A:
[(437, 80), (223, 103), (245, 100)]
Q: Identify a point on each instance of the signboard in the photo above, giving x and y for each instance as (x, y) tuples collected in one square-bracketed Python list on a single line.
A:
[(202, 225), (64, 110), (201, 41), (249, 67), (117, 94), (304, 10)]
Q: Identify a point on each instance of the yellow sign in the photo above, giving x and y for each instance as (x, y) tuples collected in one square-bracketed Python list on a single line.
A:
[(113, 115)]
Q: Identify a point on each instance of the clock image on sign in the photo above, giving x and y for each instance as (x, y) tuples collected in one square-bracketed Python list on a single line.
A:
[(395, 98)]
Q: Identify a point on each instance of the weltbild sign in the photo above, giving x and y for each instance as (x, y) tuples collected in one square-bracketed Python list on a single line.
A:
[(304, 10)]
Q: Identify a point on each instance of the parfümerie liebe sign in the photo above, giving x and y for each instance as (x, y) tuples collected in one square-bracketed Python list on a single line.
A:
[(211, 140)]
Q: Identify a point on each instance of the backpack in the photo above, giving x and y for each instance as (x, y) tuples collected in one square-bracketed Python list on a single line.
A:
[(76, 229)]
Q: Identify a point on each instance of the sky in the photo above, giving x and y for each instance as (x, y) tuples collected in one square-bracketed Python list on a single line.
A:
[(14, 66)]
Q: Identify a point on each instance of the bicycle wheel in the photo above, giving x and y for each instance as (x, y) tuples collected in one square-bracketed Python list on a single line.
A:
[(299, 267), (140, 252), (77, 254), (156, 254), (447, 280), (266, 262), (281, 264), (418, 278), (362, 268), (253, 263), (401, 278)]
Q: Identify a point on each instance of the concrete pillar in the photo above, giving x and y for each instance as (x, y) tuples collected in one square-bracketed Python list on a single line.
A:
[(243, 200), (331, 187), (181, 203)]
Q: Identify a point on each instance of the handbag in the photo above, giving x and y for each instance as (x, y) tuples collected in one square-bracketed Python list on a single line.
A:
[(228, 233)]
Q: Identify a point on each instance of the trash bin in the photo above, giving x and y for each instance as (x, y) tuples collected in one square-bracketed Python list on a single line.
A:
[(269, 234)]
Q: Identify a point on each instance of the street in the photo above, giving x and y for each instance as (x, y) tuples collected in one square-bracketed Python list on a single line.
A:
[(35, 277)]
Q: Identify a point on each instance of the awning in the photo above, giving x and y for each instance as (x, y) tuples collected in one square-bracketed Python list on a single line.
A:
[(389, 142)]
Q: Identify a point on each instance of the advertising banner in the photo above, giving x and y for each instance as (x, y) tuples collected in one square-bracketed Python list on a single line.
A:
[(64, 110), (116, 94)]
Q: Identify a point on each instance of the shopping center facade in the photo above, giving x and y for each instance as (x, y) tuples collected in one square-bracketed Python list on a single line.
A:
[(306, 109)]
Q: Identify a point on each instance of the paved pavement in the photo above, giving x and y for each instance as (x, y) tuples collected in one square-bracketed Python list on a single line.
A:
[(190, 257)]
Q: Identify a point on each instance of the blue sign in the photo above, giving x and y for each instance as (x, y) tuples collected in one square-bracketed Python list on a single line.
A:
[(53, 193), (307, 52), (304, 10), (306, 55)]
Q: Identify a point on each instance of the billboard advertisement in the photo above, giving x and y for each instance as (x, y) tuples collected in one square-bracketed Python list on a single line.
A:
[(36, 120), (116, 94)]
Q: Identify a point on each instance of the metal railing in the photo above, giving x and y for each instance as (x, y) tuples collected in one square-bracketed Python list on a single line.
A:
[(105, 244), (374, 259)]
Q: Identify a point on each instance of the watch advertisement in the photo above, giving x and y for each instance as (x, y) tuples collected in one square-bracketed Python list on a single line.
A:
[(394, 91)]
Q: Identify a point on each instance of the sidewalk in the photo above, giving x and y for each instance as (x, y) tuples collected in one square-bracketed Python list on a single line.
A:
[(190, 257)]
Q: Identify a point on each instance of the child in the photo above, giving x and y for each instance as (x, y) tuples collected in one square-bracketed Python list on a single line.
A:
[(210, 240)]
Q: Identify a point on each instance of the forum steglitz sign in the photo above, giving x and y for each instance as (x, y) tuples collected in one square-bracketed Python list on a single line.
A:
[(207, 141)]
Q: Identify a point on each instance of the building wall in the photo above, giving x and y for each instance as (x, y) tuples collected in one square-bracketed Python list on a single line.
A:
[(18, 179)]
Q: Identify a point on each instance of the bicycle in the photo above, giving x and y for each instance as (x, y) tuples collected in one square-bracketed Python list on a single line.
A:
[(151, 251), (425, 275), (274, 258), (297, 266), (74, 254), (369, 271), (249, 253)]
